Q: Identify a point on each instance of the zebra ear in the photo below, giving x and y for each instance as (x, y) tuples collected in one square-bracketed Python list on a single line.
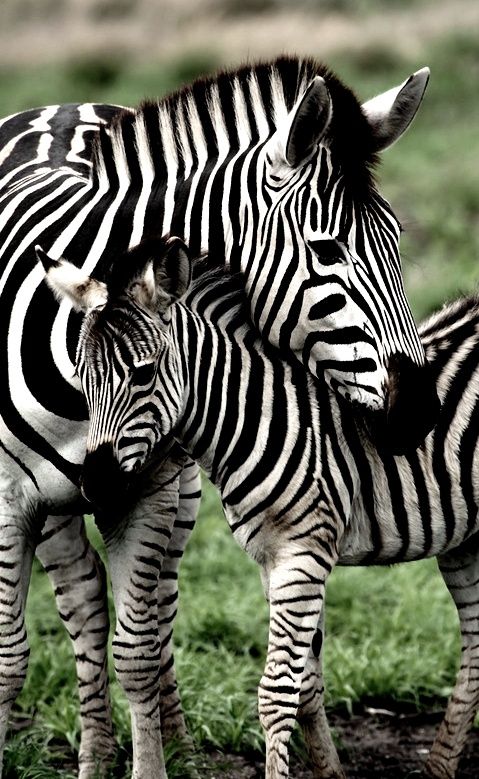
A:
[(72, 283), (308, 122), (142, 287), (173, 270), (390, 113)]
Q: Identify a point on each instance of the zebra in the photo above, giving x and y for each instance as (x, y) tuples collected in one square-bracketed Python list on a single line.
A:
[(267, 165), (59, 138), (304, 485)]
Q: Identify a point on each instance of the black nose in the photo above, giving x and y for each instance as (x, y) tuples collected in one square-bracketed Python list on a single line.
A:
[(412, 407), (103, 483)]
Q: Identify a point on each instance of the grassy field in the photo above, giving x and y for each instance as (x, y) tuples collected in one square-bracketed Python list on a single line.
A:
[(391, 633), (408, 653)]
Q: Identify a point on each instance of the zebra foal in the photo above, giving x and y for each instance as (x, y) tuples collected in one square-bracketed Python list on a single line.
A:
[(266, 164), (303, 485)]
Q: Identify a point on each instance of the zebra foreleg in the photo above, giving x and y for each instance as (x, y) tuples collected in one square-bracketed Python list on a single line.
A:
[(16, 556), (312, 715), (460, 570), (296, 593), (78, 578), (172, 719), (136, 548)]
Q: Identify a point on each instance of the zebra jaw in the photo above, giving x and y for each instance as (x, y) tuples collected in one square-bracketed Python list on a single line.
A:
[(67, 281)]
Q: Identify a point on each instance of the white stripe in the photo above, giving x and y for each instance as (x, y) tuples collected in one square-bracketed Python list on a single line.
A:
[(147, 175)]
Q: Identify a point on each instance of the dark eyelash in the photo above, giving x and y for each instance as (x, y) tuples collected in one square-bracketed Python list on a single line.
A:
[(145, 374), (328, 251)]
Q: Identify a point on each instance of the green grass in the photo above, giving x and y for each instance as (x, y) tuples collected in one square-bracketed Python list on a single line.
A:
[(391, 633)]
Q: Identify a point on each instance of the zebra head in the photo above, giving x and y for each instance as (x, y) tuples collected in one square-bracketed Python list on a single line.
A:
[(129, 369), (323, 270), (121, 347)]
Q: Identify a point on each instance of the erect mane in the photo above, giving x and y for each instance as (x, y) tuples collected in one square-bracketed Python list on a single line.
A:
[(456, 314), (276, 85)]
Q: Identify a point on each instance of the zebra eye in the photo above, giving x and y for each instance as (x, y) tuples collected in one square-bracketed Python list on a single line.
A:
[(144, 374), (328, 251)]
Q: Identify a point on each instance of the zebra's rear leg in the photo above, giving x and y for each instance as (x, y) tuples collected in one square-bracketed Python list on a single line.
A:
[(296, 591), (79, 582), (460, 570), (173, 724), (312, 718)]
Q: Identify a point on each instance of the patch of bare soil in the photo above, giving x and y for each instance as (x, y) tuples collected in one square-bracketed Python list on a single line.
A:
[(378, 745)]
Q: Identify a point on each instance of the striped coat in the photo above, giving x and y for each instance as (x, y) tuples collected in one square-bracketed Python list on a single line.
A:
[(303, 483), (258, 164)]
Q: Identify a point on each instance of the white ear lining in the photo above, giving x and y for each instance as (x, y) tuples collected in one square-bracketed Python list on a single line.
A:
[(143, 288), (68, 281), (391, 112)]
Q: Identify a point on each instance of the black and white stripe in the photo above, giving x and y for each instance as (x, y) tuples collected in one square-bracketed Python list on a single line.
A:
[(258, 165), (304, 487)]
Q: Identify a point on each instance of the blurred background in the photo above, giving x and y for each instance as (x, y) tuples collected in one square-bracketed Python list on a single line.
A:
[(122, 51), (125, 50)]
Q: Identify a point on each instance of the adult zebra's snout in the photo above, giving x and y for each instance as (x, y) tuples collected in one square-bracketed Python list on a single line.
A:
[(103, 482), (412, 407)]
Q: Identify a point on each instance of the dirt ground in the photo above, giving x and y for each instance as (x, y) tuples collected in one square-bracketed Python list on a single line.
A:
[(378, 745)]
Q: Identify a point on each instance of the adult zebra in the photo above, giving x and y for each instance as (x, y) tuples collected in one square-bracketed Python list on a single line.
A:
[(302, 483), (262, 164)]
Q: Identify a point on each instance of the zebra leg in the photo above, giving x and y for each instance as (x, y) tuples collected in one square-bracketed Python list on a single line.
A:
[(136, 548), (312, 715), (460, 570), (172, 719), (16, 556), (79, 582), (296, 592)]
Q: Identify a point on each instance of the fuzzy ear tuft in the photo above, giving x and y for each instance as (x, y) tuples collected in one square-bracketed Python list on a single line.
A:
[(72, 283), (164, 276), (390, 113), (44, 258), (142, 287)]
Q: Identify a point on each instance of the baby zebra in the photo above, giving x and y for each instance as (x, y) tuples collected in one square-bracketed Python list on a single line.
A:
[(303, 485)]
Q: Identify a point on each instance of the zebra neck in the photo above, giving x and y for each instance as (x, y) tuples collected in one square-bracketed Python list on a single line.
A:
[(198, 345), (174, 175), (189, 161), (244, 407)]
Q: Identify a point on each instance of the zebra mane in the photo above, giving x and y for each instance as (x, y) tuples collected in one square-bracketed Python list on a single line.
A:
[(457, 314), (152, 134)]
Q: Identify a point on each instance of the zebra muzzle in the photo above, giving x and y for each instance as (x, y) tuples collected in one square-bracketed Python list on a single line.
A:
[(411, 411), (103, 483)]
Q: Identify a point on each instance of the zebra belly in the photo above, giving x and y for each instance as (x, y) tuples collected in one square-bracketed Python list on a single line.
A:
[(45, 482), (407, 534)]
